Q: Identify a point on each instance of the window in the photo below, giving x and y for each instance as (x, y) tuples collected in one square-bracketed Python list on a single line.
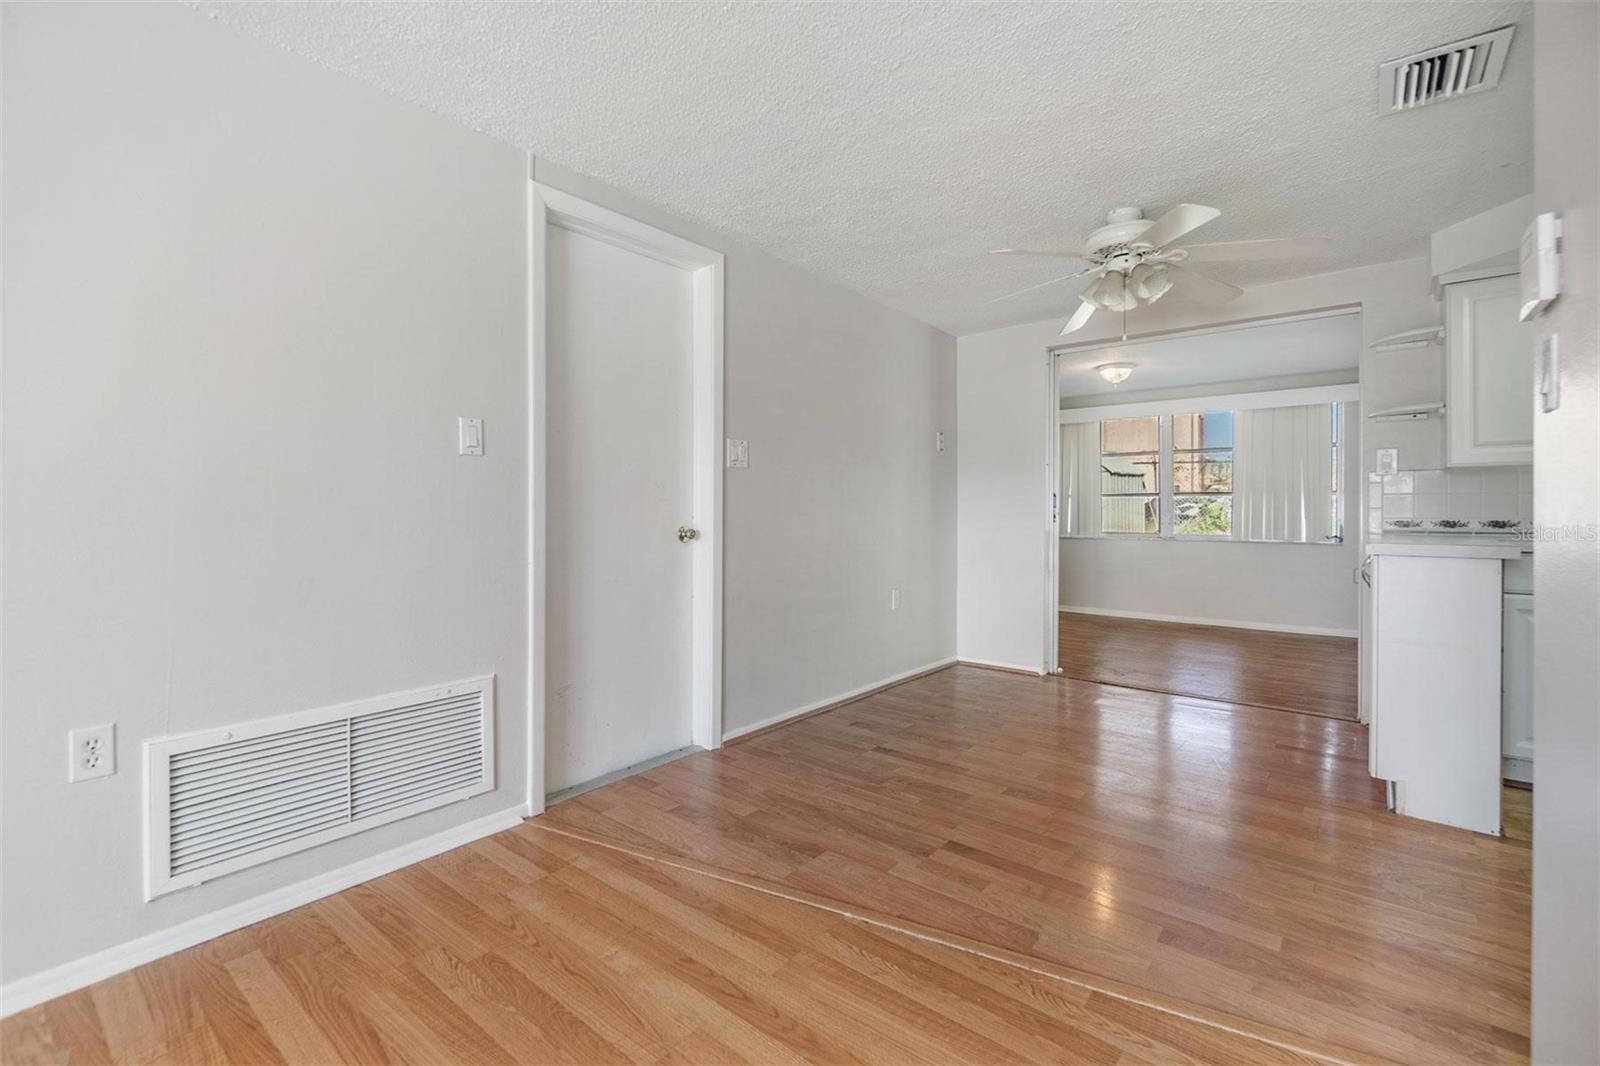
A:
[(1130, 475), (1269, 474), (1202, 474)]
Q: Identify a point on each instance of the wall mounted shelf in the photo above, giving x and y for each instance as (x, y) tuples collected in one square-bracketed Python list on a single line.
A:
[(1410, 412), (1411, 338)]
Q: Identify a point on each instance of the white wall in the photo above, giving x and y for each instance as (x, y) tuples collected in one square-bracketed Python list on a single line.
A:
[(1001, 559), (845, 496), (245, 302), (1007, 426), (1566, 444), (1492, 238), (1289, 586)]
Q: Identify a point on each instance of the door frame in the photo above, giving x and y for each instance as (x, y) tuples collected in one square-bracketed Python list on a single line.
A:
[(1053, 503), (548, 206)]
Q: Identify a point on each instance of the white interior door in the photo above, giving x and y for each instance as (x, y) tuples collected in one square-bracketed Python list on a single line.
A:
[(619, 364)]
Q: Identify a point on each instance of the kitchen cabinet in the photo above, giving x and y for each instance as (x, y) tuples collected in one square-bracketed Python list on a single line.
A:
[(1432, 673), (1489, 384), (1516, 685)]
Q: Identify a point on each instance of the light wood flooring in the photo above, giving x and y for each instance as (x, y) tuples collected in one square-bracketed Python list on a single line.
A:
[(973, 866), (533, 947), (1286, 671), (1237, 859)]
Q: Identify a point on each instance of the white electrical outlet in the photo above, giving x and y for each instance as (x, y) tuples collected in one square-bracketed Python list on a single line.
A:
[(938, 441), (91, 752)]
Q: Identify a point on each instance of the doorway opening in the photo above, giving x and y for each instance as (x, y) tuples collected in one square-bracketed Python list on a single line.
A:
[(1207, 503)]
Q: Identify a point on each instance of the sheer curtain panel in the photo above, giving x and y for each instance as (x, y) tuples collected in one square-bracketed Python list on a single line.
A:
[(1080, 480)]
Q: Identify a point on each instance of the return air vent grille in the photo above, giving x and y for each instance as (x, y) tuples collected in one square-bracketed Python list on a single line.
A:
[(1458, 69), (225, 799)]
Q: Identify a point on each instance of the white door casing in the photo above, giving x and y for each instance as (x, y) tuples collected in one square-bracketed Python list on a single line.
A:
[(605, 240)]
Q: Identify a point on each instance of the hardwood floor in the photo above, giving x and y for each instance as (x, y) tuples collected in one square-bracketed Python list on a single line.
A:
[(1516, 813), (972, 866), (1286, 671), (1237, 859), (534, 947)]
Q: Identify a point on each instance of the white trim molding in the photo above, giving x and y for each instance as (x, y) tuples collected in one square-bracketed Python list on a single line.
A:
[(551, 206), (994, 664), (30, 991), (842, 697), (1226, 623), (1241, 401), (1230, 326)]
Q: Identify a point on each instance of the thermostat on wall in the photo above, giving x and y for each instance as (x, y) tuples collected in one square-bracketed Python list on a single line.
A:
[(1541, 264)]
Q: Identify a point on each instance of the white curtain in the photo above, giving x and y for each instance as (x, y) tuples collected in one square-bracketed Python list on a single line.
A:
[(1080, 480), (1283, 473)]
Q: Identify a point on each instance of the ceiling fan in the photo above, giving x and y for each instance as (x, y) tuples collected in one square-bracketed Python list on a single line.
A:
[(1134, 262)]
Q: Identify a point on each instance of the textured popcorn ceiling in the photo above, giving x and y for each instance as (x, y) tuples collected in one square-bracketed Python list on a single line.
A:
[(888, 146)]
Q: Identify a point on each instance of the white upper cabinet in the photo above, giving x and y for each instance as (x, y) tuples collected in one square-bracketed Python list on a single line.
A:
[(1488, 374)]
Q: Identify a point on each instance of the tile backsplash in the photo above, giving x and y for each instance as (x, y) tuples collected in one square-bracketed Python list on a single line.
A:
[(1465, 499)]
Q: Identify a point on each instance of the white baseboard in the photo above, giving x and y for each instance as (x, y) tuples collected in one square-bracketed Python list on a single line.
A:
[(855, 693), (1228, 623), (30, 991), (992, 664)]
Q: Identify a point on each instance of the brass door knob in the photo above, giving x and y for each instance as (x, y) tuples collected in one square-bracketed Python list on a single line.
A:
[(686, 534)]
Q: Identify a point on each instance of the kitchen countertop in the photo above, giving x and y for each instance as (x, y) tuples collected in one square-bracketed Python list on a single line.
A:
[(1454, 545)]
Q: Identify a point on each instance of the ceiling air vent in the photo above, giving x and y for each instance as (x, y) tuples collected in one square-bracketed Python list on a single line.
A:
[(1458, 69), (225, 799)]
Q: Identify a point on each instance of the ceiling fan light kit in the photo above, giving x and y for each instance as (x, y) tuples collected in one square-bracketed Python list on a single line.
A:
[(1112, 293), (1134, 262), (1149, 283)]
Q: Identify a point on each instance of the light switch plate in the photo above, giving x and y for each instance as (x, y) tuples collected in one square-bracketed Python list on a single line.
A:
[(469, 432), (1388, 460), (738, 453), (1550, 374)]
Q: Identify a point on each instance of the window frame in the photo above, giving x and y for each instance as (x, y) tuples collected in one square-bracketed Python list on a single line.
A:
[(1166, 494), (1162, 471), (1170, 495)]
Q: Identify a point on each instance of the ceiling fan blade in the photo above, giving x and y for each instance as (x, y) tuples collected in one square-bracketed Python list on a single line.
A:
[(1041, 285), (1079, 317), (1175, 223), (1188, 284), (1047, 253), (1283, 248)]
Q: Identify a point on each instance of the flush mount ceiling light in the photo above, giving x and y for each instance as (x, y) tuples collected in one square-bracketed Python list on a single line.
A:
[(1115, 373)]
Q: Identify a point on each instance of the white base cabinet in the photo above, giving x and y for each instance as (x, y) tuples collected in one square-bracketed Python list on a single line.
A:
[(1435, 685)]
